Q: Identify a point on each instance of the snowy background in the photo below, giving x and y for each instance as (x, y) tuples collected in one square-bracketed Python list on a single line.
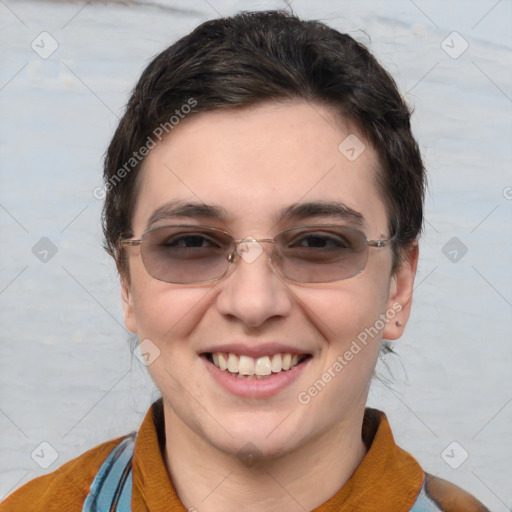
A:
[(67, 377)]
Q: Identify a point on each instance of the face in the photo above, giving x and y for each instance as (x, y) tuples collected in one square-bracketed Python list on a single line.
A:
[(252, 165)]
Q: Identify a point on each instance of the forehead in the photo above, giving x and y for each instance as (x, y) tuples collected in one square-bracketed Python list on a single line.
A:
[(254, 163)]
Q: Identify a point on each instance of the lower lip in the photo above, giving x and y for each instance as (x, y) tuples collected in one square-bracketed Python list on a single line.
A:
[(256, 388)]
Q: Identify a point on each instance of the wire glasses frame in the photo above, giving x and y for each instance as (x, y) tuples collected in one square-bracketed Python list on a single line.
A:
[(194, 254)]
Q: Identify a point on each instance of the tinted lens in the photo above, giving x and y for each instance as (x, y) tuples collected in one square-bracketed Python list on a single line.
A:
[(186, 254), (320, 254)]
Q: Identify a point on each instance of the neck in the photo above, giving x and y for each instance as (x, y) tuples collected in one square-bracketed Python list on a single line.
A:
[(209, 480)]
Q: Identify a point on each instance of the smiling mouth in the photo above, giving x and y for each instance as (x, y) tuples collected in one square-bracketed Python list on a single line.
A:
[(246, 367)]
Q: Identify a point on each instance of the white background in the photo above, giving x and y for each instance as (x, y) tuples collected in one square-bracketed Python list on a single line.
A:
[(67, 374)]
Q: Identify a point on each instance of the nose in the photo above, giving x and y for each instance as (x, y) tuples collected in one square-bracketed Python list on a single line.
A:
[(253, 292)]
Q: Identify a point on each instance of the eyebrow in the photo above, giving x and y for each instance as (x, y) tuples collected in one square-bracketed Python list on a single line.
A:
[(335, 209), (187, 209), (295, 212)]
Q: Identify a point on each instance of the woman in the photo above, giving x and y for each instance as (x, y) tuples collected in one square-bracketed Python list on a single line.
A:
[(264, 199)]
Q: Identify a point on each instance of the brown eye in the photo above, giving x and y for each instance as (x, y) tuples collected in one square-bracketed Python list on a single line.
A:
[(321, 241), (191, 241)]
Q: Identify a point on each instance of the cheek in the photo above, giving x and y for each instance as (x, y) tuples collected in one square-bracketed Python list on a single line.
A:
[(167, 316), (166, 312), (341, 313)]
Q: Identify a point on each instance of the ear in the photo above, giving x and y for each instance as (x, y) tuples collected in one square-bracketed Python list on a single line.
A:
[(128, 305), (400, 294)]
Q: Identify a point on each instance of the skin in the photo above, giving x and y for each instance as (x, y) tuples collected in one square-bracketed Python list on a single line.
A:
[(253, 162)]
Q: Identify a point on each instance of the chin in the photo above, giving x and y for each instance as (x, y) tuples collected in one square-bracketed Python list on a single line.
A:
[(253, 439)]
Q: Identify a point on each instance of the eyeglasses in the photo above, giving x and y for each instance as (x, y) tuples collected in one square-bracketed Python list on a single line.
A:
[(190, 254)]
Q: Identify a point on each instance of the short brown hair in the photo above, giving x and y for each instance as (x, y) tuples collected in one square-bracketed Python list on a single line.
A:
[(251, 58)]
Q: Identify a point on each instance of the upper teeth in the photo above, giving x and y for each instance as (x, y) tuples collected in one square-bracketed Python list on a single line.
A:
[(245, 365)]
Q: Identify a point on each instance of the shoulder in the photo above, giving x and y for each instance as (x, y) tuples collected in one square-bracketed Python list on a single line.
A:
[(449, 497), (65, 488)]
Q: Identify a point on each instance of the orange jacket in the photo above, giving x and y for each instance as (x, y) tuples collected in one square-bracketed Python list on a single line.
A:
[(387, 480)]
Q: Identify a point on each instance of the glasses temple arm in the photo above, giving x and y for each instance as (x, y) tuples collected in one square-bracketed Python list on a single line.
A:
[(131, 243)]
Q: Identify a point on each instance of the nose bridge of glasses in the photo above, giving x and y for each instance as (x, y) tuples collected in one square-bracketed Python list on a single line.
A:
[(248, 249), (252, 239)]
